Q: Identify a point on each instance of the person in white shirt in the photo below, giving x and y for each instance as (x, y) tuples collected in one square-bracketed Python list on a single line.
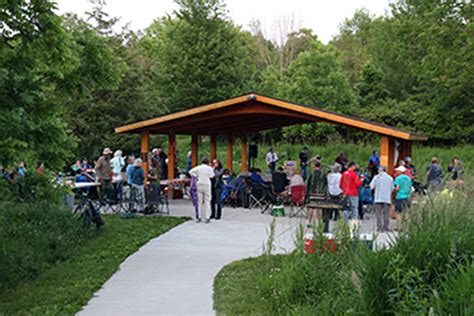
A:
[(203, 174), (117, 164), (334, 189), (334, 179), (296, 179), (271, 160), (383, 186)]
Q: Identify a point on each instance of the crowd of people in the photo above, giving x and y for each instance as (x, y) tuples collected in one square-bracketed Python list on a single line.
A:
[(342, 181), (355, 187)]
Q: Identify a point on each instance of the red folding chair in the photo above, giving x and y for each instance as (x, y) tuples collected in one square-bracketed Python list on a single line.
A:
[(298, 195)]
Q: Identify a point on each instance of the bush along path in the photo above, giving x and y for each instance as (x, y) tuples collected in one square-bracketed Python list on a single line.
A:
[(429, 270)]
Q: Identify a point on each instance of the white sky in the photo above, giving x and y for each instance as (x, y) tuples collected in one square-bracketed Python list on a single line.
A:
[(322, 16)]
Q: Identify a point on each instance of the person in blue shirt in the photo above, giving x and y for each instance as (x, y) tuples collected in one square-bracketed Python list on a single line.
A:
[(374, 164), (128, 171), (255, 176), (402, 186), (138, 184)]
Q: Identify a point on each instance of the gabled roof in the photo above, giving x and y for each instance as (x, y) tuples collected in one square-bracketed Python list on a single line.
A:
[(252, 113)]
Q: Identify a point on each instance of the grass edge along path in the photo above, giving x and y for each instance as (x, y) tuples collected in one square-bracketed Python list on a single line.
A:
[(67, 287)]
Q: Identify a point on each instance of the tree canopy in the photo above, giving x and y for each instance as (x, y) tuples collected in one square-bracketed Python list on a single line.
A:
[(66, 82)]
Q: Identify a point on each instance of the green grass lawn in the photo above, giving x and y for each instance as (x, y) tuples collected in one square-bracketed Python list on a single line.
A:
[(68, 285), (235, 287)]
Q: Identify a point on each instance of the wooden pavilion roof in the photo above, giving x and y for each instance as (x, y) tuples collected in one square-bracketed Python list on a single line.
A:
[(253, 113)]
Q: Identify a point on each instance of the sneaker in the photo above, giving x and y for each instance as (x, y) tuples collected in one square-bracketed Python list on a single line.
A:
[(198, 220), (207, 221)]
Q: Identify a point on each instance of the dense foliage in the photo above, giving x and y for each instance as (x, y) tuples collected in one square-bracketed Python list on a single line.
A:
[(36, 229), (66, 82)]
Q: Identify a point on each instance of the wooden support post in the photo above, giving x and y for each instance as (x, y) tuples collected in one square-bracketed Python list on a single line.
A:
[(213, 147), (194, 150), (145, 148), (230, 142), (244, 153), (171, 154), (387, 153)]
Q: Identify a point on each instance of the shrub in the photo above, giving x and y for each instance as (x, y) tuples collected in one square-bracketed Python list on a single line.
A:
[(36, 229)]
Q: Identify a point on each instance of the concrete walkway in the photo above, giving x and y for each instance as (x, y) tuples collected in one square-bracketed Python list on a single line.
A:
[(174, 273)]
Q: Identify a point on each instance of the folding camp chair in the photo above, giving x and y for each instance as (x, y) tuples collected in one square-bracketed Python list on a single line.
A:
[(298, 196), (260, 197)]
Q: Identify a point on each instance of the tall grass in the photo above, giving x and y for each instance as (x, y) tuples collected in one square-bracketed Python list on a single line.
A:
[(429, 270)]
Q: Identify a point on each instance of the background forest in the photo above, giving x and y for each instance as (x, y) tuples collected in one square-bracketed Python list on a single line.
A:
[(66, 82)]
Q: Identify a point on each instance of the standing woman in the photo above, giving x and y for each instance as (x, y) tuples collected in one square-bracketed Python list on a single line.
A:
[(138, 184), (457, 173), (217, 187)]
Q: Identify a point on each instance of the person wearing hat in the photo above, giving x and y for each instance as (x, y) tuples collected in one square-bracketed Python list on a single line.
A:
[(402, 187), (410, 166), (103, 171)]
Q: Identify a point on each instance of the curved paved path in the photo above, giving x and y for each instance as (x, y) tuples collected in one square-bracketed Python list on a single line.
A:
[(173, 274)]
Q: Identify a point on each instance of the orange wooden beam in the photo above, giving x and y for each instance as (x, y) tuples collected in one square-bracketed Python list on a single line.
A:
[(171, 154), (213, 147), (230, 143), (194, 150), (244, 153), (144, 149), (387, 153)]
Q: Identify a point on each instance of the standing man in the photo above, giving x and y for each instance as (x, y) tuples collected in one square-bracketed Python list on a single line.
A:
[(271, 160), (382, 184), (103, 171), (203, 174), (402, 186), (350, 183), (304, 157), (374, 163)]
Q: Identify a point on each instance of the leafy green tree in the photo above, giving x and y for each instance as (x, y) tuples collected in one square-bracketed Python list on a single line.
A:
[(352, 44), (87, 107), (36, 53), (315, 78), (199, 56)]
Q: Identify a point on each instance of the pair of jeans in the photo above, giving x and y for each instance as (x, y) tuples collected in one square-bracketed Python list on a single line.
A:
[(351, 209), (139, 196)]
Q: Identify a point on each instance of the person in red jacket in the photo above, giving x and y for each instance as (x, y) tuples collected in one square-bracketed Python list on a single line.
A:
[(350, 183)]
